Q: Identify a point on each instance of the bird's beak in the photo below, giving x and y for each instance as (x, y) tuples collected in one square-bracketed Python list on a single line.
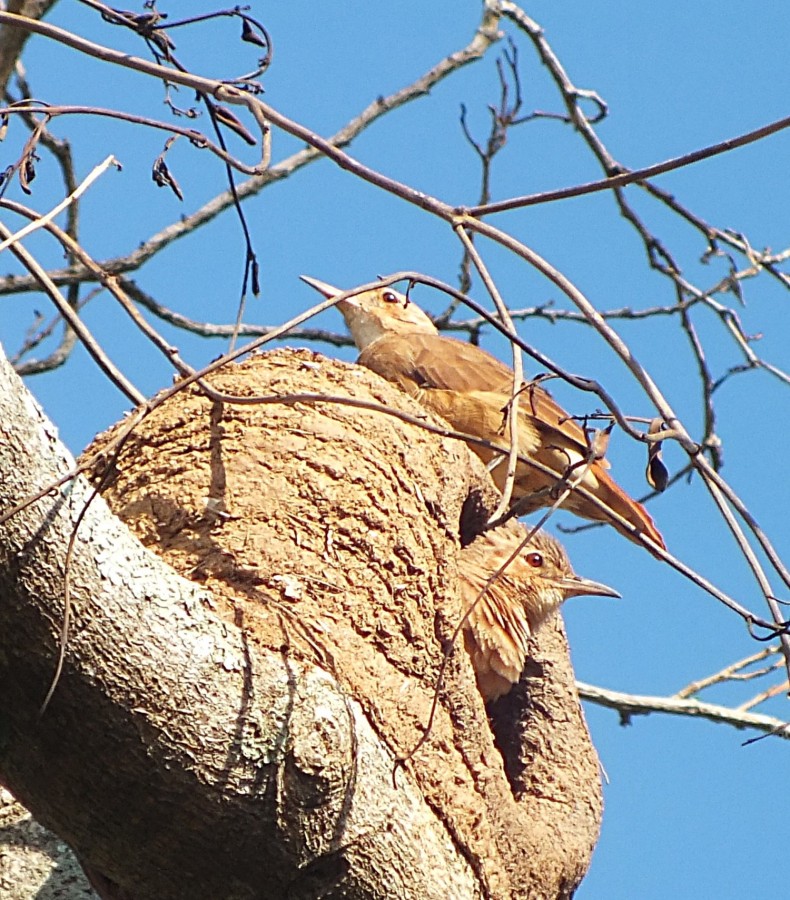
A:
[(321, 286), (575, 586)]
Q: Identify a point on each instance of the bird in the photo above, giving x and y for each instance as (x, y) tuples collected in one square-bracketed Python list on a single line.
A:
[(500, 620), (472, 390)]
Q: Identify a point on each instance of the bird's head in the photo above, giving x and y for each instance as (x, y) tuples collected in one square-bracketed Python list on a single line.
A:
[(545, 563), (538, 580), (372, 314), (502, 614)]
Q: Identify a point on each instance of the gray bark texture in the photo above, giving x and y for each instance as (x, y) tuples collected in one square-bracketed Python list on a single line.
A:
[(260, 601)]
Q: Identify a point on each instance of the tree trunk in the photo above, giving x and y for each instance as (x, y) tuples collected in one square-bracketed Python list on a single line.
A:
[(12, 40), (233, 731)]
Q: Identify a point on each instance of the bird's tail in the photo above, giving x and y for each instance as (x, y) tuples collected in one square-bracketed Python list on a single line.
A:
[(609, 492)]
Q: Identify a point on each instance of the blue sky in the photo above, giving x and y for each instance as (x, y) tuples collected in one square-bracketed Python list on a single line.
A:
[(686, 804)]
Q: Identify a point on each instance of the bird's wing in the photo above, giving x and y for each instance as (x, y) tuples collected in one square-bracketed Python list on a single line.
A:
[(480, 414), (471, 389), (450, 364), (431, 361), (554, 423), (497, 631), (502, 633)]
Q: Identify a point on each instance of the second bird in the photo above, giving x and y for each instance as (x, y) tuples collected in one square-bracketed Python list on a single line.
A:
[(503, 613), (472, 391)]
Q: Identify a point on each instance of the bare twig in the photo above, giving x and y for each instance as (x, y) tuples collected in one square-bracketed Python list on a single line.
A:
[(733, 672), (630, 705), (74, 322), (42, 221)]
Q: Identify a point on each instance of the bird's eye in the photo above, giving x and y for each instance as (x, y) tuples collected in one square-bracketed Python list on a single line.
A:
[(535, 560), (390, 297)]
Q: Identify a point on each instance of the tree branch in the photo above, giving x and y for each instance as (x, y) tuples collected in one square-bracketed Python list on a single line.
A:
[(629, 705)]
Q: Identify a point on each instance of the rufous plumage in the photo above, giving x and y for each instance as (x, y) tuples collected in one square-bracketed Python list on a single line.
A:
[(472, 390), (515, 604)]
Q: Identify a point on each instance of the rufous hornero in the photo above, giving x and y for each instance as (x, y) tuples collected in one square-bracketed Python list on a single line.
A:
[(472, 390)]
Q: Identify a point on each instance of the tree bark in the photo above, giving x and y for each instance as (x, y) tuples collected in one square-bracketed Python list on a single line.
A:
[(13, 40), (234, 733)]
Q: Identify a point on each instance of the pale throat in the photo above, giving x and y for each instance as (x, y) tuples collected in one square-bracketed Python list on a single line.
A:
[(367, 326), (366, 329), (548, 600)]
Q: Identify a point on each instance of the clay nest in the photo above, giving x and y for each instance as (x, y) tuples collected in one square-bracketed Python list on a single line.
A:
[(329, 533)]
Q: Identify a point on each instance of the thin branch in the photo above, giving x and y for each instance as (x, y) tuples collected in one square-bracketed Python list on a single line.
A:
[(632, 176), (196, 138), (471, 253), (732, 672), (43, 220), (74, 322), (39, 333), (209, 330), (630, 705)]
